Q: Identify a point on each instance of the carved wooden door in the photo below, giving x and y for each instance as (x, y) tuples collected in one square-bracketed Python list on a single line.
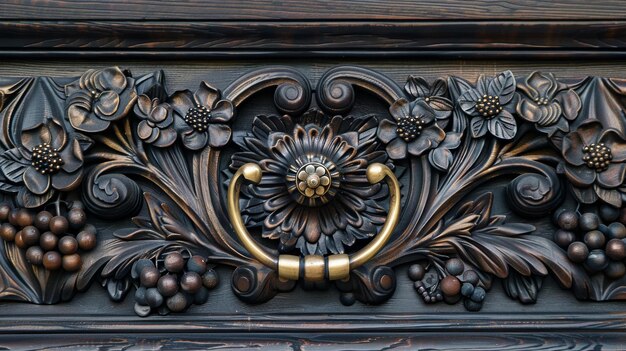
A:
[(306, 176)]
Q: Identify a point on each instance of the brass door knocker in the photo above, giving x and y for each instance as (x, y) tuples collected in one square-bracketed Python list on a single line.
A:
[(314, 267)]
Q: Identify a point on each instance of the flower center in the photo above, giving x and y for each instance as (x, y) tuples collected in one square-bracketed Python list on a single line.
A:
[(313, 180), (198, 118), (597, 156), (488, 106), (46, 159), (409, 127)]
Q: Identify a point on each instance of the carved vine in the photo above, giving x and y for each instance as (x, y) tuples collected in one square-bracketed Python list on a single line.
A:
[(112, 147)]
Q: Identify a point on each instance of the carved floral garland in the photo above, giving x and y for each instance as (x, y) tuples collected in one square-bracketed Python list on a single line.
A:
[(113, 146)]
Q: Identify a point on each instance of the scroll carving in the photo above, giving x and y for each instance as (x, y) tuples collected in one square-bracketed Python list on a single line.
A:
[(507, 178)]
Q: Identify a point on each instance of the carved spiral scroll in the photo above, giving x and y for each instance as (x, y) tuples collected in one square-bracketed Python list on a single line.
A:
[(374, 285), (335, 91), (292, 95), (534, 194), (112, 195)]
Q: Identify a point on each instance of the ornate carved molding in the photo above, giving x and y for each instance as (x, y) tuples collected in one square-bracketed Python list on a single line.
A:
[(110, 177)]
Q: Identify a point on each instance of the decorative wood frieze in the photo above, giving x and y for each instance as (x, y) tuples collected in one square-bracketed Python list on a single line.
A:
[(111, 178)]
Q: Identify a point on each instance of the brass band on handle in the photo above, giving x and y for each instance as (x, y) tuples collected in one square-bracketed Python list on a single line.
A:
[(314, 267)]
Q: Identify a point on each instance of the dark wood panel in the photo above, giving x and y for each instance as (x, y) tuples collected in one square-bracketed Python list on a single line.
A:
[(314, 10), (319, 323), (183, 73), (367, 39), (311, 342), (194, 41)]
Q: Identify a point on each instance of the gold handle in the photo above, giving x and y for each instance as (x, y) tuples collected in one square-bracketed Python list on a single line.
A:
[(314, 267)]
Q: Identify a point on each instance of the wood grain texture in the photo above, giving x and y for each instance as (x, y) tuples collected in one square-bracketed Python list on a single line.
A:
[(333, 38), (313, 10), (319, 323), (316, 342)]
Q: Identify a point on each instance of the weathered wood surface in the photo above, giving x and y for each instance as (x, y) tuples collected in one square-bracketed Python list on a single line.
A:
[(531, 10), (366, 39), (318, 342)]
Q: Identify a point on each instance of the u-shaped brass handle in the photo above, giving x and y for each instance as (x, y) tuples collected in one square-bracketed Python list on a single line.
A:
[(314, 267)]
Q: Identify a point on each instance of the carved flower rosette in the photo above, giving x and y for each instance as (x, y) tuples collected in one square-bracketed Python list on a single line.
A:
[(110, 147)]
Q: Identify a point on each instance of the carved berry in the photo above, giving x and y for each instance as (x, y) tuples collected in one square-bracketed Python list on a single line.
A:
[(68, 245), (594, 239), (7, 232), (454, 266), (72, 263), (577, 252), (149, 276), (568, 220), (34, 255), (48, 241), (177, 303), (42, 220), (59, 225), (210, 279), (450, 286), (52, 260), (589, 221), (191, 282), (174, 262), (616, 249)]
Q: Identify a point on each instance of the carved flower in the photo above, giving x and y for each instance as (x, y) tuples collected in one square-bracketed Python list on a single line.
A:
[(435, 95), (201, 117), (414, 129), (441, 156), (594, 163), (547, 103), (490, 105), (99, 97), (156, 126), (314, 194), (46, 160)]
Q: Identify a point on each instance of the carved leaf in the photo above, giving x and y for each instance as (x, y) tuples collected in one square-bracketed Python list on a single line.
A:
[(165, 222), (17, 283), (522, 288), (500, 248), (13, 165), (503, 126), (503, 85)]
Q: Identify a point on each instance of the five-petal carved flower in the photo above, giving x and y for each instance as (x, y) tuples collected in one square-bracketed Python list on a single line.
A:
[(547, 103), (98, 98), (594, 163), (201, 117), (156, 126), (490, 105), (414, 129), (46, 161), (314, 194)]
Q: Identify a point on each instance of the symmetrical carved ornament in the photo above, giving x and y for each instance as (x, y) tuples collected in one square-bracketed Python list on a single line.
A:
[(111, 178)]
